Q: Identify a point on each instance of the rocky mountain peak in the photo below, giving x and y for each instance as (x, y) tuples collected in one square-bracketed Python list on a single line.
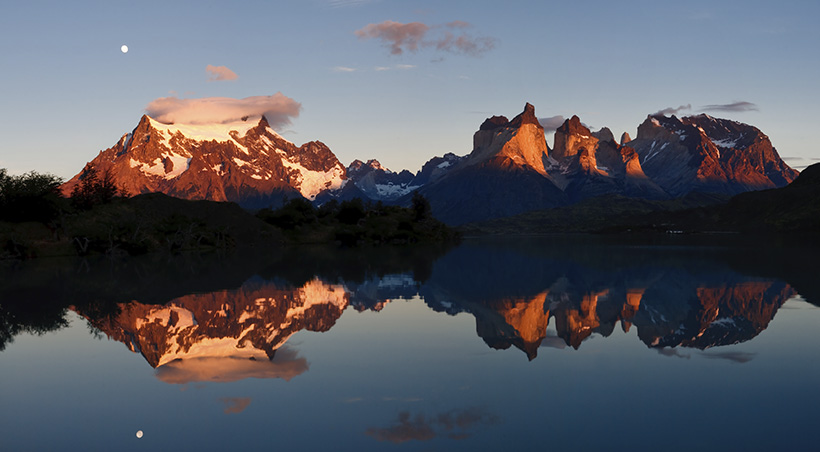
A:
[(625, 138), (526, 117), (519, 142), (604, 135), (494, 122), (242, 161), (573, 126), (572, 138)]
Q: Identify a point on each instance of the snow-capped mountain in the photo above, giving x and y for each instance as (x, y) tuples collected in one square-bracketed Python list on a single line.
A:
[(243, 161), (378, 182), (510, 170)]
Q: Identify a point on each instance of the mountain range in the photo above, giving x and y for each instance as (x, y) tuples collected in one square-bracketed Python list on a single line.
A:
[(510, 170)]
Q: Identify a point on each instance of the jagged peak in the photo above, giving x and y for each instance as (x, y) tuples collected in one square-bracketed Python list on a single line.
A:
[(625, 138), (574, 126), (494, 122), (604, 135), (526, 117)]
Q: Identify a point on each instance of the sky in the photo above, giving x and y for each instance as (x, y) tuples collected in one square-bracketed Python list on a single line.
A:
[(395, 80)]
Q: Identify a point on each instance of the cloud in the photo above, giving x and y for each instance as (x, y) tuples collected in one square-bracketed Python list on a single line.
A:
[(733, 107), (278, 109), (235, 405), (396, 35), (401, 67), (406, 429), (672, 352), (736, 357), (464, 44), (347, 3), (552, 123), (454, 424), (410, 37), (343, 69), (219, 73), (458, 24), (671, 110), (285, 365)]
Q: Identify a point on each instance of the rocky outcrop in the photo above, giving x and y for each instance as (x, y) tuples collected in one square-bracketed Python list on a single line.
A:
[(573, 138), (519, 142), (592, 164), (504, 175)]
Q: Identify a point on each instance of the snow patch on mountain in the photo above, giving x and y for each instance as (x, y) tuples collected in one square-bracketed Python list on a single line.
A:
[(160, 167), (219, 132), (727, 142)]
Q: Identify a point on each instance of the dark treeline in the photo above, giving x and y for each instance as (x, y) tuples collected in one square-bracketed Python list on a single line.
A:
[(36, 220), (355, 222)]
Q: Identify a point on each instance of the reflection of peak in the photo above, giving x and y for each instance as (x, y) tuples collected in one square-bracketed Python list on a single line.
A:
[(227, 327), (666, 305)]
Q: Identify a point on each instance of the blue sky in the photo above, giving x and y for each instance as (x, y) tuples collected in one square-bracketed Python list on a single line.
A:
[(69, 92)]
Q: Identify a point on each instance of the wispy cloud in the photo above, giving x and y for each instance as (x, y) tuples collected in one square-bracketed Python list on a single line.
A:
[(347, 3), (278, 109), (410, 37), (344, 69), (552, 123), (672, 352), (736, 357), (672, 110), (733, 107), (235, 405), (454, 424), (220, 73)]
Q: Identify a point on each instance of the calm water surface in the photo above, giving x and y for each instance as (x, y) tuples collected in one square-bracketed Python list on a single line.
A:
[(549, 343)]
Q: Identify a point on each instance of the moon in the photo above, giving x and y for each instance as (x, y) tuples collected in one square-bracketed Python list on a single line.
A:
[(124, 48), (139, 432)]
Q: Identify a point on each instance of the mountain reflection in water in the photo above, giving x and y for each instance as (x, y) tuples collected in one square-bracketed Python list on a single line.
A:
[(527, 295)]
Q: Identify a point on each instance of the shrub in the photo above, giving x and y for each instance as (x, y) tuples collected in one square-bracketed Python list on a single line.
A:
[(29, 197), (93, 189)]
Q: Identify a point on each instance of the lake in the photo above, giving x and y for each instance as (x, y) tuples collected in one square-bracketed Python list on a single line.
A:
[(558, 342)]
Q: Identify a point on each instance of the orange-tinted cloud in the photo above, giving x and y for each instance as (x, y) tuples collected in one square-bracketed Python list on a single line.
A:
[(235, 405), (219, 73), (454, 424), (278, 109), (410, 37), (286, 364), (396, 35)]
